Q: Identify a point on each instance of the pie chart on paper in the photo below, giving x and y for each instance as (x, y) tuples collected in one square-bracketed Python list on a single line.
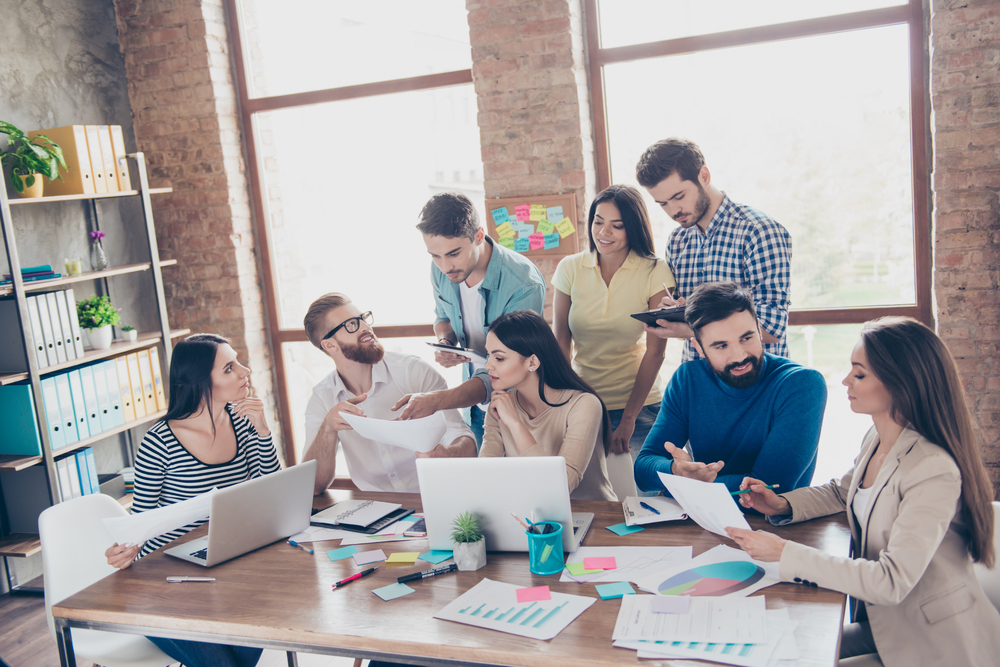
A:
[(713, 579)]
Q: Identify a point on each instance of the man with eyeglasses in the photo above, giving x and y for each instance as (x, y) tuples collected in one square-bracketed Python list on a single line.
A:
[(368, 381)]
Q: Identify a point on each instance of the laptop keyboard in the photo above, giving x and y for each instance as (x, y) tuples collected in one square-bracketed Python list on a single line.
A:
[(202, 554)]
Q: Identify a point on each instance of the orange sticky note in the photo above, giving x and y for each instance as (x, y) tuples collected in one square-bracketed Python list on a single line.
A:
[(536, 594), (601, 563)]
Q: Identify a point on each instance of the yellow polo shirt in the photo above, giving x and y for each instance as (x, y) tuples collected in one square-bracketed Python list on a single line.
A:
[(608, 343)]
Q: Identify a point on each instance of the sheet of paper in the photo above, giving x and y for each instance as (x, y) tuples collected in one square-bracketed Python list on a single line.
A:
[(418, 435), (355, 512), (663, 604), (365, 557), (615, 591), (318, 534), (403, 557), (493, 605), (637, 515), (393, 591), (633, 563), (436, 556), (624, 529), (341, 553), (534, 594), (725, 620), (720, 572), (142, 526), (710, 505)]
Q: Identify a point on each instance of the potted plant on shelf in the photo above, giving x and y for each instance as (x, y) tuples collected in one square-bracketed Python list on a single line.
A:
[(30, 160), (129, 333), (97, 315), (469, 543)]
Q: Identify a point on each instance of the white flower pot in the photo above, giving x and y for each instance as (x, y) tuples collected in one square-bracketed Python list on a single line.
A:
[(470, 556), (100, 338), (131, 336)]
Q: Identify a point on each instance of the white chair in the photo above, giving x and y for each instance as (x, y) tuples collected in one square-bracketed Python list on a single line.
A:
[(621, 475), (74, 540), (990, 579)]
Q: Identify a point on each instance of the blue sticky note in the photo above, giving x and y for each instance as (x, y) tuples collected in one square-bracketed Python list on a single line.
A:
[(615, 590), (624, 529), (500, 215), (551, 241), (435, 556), (342, 553), (522, 245), (393, 591), (524, 234), (554, 213), (412, 518)]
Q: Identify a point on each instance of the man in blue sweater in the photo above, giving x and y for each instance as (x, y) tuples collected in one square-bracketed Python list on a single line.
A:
[(744, 412)]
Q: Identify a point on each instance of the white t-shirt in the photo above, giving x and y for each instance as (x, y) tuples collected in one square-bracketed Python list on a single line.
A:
[(472, 318), (860, 503)]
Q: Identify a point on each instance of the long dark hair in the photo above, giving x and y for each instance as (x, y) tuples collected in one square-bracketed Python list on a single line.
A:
[(635, 218), (191, 375), (920, 375), (527, 333)]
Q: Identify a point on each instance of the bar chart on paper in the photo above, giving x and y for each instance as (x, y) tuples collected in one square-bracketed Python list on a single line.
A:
[(493, 605)]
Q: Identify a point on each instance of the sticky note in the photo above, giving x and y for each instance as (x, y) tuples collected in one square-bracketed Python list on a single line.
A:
[(507, 242), (671, 604), (615, 590), (546, 227), (522, 245), (500, 215), (565, 227), (601, 563), (505, 230), (530, 229), (403, 557), (342, 553), (624, 529), (393, 591), (577, 569), (536, 241), (535, 594), (554, 213), (551, 240), (522, 212), (537, 212), (365, 557), (411, 518), (436, 556), (524, 234)]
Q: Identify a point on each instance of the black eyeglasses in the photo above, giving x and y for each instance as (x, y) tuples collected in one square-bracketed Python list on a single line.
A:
[(352, 324)]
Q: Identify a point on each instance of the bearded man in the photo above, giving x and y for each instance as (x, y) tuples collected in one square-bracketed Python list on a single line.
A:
[(367, 381), (744, 412)]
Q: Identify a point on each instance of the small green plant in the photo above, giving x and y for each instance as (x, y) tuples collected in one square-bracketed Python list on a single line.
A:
[(128, 327), (96, 312), (466, 529), (30, 157)]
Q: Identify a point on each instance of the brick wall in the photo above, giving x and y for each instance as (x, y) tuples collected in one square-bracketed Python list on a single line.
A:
[(965, 93), (185, 117)]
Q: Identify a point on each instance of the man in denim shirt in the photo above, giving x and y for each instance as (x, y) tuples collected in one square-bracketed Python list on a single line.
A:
[(475, 281)]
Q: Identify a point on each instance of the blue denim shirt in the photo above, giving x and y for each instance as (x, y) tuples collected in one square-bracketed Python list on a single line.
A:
[(512, 282)]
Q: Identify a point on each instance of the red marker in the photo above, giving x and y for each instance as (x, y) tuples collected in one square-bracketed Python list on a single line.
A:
[(353, 577)]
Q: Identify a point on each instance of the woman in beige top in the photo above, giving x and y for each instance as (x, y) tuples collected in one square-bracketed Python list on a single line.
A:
[(540, 407)]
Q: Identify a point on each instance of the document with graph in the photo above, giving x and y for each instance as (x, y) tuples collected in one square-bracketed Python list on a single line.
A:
[(631, 563)]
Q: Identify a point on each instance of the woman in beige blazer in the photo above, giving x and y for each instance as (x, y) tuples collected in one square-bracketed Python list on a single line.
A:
[(918, 503)]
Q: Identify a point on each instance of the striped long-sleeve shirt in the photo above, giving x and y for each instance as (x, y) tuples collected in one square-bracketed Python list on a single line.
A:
[(166, 473)]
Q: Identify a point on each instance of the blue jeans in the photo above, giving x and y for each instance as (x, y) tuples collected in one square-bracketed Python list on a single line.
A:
[(643, 424), (203, 654), (475, 417)]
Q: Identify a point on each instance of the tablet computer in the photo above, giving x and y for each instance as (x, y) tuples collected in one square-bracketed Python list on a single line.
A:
[(471, 355), (672, 314)]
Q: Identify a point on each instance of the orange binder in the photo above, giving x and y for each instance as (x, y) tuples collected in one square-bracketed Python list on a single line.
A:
[(121, 162), (108, 158), (121, 365), (134, 379), (96, 159), (76, 177), (154, 362)]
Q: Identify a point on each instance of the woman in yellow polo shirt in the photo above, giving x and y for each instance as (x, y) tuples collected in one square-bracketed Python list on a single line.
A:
[(596, 292)]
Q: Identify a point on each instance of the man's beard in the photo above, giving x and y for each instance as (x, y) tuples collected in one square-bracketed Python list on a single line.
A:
[(363, 354), (700, 206), (740, 381)]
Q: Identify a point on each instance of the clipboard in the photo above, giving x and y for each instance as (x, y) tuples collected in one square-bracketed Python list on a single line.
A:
[(370, 529), (463, 351), (672, 314)]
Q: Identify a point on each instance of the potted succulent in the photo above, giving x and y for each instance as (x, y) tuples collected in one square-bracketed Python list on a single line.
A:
[(31, 160), (97, 315), (469, 543), (129, 333)]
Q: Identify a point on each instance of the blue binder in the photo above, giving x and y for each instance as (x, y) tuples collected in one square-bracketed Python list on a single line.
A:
[(81, 471), (91, 406), (20, 429), (66, 409), (50, 400), (79, 406), (95, 484)]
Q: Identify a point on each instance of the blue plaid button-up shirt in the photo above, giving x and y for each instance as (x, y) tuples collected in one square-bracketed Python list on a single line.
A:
[(745, 246)]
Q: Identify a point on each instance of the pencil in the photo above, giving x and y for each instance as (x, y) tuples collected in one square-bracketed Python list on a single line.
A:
[(736, 493)]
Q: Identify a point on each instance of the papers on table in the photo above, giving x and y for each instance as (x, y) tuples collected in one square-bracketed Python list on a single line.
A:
[(388, 534), (633, 563), (142, 526), (317, 534), (418, 435), (710, 505), (719, 572), (493, 605), (709, 619), (637, 515)]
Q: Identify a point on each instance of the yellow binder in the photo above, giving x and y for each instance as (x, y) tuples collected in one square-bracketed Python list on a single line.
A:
[(76, 177), (121, 162), (148, 393), (138, 400), (121, 365), (154, 361), (96, 159), (108, 158)]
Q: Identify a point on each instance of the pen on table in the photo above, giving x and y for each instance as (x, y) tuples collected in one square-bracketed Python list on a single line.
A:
[(427, 573), (296, 544), (736, 493), (649, 507), (518, 519), (351, 578), (181, 580)]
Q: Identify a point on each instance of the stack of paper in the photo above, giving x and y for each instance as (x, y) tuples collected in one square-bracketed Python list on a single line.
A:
[(637, 512)]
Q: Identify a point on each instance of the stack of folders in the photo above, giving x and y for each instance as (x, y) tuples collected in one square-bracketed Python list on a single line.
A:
[(77, 474), (32, 274), (55, 330), (95, 160)]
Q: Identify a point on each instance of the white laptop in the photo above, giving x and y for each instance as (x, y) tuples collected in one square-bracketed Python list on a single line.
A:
[(493, 487), (252, 514)]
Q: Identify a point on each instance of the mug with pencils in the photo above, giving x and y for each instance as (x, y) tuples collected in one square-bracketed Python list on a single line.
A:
[(545, 549)]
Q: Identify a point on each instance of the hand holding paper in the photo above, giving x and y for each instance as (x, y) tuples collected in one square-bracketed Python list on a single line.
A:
[(142, 526), (710, 505)]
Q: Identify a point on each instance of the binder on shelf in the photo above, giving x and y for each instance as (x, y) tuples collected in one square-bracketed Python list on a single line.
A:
[(62, 471), (46, 322), (74, 322), (50, 402), (71, 433), (79, 406), (13, 355), (125, 389), (82, 474), (121, 162), (103, 397), (74, 476), (154, 362), (114, 393), (36, 332), (108, 158), (95, 485), (76, 177), (17, 415), (96, 160), (67, 331), (57, 337), (146, 375), (90, 400), (135, 380)]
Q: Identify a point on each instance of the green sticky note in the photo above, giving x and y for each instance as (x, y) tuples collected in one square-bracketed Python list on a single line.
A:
[(615, 590), (624, 529), (576, 569), (507, 242), (545, 227)]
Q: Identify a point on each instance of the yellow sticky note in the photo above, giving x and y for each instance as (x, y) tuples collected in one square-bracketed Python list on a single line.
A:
[(403, 557), (565, 227), (505, 230), (545, 227), (507, 242), (537, 212), (576, 569)]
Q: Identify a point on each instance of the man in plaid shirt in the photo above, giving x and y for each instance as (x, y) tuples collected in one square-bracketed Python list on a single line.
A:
[(718, 240)]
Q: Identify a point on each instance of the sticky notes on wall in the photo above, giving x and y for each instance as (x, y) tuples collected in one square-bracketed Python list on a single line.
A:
[(531, 227), (522, 212), (537, 212), (500, 215), (505, 229), (565, 227)]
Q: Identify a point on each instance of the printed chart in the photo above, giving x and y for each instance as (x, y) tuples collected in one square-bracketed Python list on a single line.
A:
[(634, 563), (713, 579)]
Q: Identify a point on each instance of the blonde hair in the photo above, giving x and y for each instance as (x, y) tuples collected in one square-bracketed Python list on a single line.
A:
[(920, 375), (315, 319)]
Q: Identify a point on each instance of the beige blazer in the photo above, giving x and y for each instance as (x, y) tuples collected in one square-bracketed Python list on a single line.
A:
[(911, 566)]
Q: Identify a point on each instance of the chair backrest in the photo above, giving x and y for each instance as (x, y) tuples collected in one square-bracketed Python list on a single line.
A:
[(621, 475), (74, 540), (990, 579)]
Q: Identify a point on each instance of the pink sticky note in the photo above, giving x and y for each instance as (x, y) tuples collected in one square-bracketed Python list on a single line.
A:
[(602, 563), (522, 213), (537, 241), (538, 593)]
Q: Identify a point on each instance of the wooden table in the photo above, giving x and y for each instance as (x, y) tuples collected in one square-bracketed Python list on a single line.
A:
[(280, 597)]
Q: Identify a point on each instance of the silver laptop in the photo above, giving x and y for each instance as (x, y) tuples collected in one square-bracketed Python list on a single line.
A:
[(492, 488), (252, 514)]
